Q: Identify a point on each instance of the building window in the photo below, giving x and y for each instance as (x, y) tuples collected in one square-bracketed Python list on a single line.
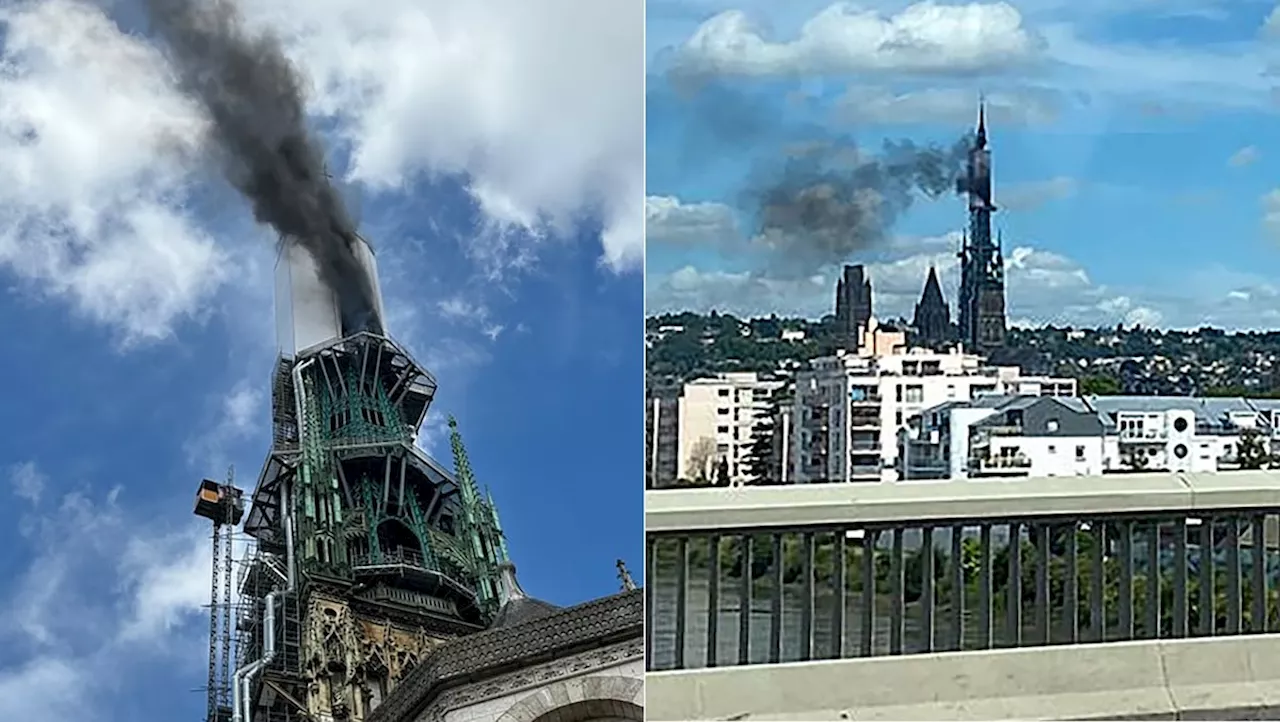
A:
[(724, 392), (897, 393), (723, 412), (897, 417), (1052, 425), (722, 429), (913, 394), (1053, 449), (1079, 453)]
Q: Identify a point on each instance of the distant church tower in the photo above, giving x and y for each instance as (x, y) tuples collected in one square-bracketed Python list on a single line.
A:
[(853, 306), (932, 319), (981, 303)]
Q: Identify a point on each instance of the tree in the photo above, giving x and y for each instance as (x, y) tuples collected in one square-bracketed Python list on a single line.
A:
[(1252, 450), (759, 460), (722, 472), (700, 456), (764, 460), (1099, 385)]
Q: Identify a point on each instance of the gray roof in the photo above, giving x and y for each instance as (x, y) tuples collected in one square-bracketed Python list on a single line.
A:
[(1212, 413), (602, 622), (1046, 416), (518, 607)]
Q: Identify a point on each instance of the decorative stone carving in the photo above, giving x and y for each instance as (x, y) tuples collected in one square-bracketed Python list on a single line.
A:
[(616, 622), (350, 655), (533, 677)]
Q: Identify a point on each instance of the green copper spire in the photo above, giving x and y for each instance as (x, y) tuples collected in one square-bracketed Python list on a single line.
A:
[(462, 468), (484, 539), (503, 556)]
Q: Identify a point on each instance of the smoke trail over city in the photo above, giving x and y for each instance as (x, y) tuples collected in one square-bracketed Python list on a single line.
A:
[(829, 201), (253, 98)]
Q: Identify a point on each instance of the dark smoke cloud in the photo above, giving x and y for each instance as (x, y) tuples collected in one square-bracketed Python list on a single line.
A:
[(254, 100), (818, 199), (827, 203)]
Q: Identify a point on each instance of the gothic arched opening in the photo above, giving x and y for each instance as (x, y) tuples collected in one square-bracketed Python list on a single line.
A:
[(396, 539), (595, 710)]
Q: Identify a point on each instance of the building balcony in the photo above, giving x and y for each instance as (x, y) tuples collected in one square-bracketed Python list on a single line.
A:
[(864, 422), (1143, 435), (1000, 463), (864, 470), (931, 468), (395, 558), (1007, 430)]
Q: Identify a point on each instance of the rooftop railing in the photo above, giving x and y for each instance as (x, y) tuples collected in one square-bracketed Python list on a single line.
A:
[(780, 574)]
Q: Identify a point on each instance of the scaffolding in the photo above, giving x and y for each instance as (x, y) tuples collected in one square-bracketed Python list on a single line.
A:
[(223, 506)]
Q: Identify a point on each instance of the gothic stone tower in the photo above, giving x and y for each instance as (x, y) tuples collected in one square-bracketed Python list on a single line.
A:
[(932, 320), (982, 299), (853, 306), (369, 553)]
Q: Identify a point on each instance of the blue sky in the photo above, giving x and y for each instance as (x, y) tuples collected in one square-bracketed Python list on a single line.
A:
[(1135, 150), (138, 314)]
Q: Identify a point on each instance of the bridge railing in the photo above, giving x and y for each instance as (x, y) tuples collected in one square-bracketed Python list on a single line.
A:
[(778, 574)]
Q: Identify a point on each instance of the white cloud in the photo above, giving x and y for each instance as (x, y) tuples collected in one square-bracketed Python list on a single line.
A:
[(669, 221), (1245, 156), (97, 147), (955, 106), (925, 37), (1035, 46), (28, 481), (541, 104), (103, 594), (460, 309), (237, 415), (1271, 26), (1043, 287), (94, 146), (1033, 194), (1178, 74)]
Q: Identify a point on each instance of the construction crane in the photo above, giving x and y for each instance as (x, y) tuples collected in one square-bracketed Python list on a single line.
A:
[(223, 505)]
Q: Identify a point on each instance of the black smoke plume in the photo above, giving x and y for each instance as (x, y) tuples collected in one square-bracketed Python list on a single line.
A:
[(253, 98), (829, 202)]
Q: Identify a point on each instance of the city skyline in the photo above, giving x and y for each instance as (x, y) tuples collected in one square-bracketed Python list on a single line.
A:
[(1089, 109)]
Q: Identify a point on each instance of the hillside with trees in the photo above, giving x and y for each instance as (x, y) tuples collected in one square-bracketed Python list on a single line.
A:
[(1119, 360)]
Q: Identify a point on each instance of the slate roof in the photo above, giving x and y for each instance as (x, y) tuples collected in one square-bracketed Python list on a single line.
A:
[(518, 607), (501, 649)]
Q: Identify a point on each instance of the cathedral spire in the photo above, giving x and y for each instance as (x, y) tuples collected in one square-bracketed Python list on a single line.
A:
[(982, 122), (624, 576), (462, 467), (932, 319), (932, 289)]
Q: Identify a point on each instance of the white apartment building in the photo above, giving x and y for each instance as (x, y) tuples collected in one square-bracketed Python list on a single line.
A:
[(849, 410), (717, 417), (1176, 433), (1007, 435), (1011, 436)]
